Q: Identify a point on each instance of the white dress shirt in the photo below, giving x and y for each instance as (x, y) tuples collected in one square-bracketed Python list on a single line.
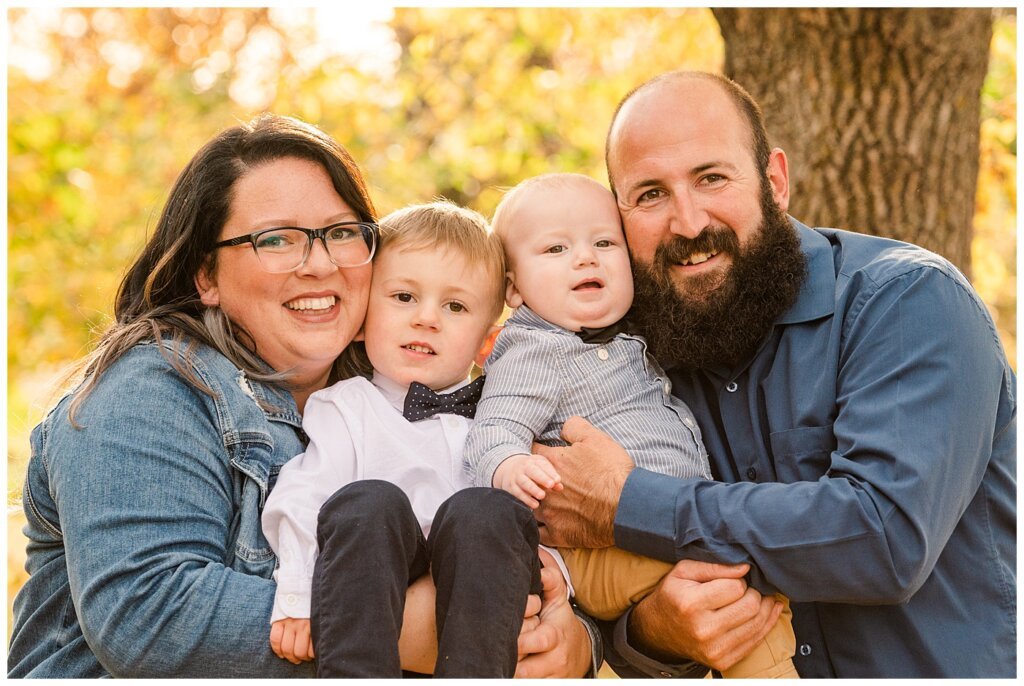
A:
[(356, 431)]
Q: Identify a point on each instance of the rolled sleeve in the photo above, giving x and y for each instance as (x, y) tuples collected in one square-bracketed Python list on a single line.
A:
[(596, 642), (628, 662)]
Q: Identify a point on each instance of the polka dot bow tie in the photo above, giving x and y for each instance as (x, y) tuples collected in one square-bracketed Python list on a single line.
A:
[(422, 403)]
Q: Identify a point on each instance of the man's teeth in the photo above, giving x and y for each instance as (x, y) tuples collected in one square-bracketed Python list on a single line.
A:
[(698, 257), (419, 349), (311, 303)]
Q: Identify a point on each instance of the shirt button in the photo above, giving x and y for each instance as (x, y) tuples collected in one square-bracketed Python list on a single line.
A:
[(665, 675), (805, 649), (688, 422), (602, 354), (291, 599), (752, 474), (732, 386), (667, 387)]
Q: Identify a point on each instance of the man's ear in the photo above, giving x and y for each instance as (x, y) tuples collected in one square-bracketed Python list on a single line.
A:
[(512, 297), (778, 177), (487, 346), (206, 284)]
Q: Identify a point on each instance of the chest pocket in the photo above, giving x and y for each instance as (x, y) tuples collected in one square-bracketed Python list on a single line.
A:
[(802, 454)]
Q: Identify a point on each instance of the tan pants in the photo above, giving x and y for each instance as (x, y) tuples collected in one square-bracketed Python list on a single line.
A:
[(608, 581)]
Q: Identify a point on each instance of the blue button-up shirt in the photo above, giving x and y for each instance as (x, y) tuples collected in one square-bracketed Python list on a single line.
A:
[(868, 449)]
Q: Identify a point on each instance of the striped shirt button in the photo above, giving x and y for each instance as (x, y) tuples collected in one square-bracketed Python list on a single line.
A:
[(602, 354)]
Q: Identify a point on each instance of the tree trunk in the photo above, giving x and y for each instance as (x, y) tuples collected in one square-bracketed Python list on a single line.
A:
[(878, 111)]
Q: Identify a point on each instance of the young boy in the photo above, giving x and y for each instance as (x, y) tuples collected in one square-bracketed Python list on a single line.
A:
[(390, 452), (565, 352)]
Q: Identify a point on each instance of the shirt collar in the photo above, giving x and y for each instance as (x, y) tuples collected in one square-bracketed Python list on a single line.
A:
[(395, 392), (817, 297), (524, 316)]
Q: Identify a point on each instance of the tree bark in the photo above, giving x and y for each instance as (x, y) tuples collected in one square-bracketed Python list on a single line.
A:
[(878, 111)]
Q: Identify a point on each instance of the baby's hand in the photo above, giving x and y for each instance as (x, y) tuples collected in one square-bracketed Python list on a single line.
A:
[(290, 639), (527, 477)]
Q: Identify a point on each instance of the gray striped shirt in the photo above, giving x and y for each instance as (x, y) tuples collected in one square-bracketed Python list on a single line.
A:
[(539, 375)]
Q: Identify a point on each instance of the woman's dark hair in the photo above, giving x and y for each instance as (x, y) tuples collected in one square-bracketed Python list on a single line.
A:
[(158, 298)]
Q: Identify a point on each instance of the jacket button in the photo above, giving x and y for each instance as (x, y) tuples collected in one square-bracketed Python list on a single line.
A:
[(752, 474), (731, 386), (805, 650)]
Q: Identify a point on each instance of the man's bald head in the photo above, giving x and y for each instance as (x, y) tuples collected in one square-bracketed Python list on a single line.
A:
[(677, 82)]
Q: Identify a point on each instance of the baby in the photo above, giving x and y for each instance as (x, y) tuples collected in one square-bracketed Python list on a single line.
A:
[(384, 462), (567, 352)]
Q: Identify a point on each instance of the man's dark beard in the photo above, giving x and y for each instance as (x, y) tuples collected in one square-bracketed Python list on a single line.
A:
[(723, 326)]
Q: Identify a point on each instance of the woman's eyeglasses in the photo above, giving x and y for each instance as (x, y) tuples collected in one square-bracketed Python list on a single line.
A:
[(285, 249)]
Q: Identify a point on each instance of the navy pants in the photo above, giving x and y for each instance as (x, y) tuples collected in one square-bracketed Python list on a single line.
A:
[(482, 553)]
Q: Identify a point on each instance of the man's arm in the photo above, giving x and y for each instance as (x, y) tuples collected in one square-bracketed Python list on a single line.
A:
[(917, 411), (920, 378)]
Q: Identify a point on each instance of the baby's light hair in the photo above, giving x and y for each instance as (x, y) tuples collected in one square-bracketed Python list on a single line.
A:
[(504, 213), (446, 226)]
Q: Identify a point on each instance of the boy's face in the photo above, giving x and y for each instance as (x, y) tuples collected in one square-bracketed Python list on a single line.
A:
[(428, 314), (567, 256)]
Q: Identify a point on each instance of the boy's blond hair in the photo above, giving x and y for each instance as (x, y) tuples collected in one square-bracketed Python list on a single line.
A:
[(504, 213), (446, 226)]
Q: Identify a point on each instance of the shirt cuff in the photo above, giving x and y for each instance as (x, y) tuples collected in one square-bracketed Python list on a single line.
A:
[(291, 600), (647, 665), (596, 643), (645, 521)]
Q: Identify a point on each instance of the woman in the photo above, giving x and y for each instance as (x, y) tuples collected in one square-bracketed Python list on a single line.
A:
[(145, 485)]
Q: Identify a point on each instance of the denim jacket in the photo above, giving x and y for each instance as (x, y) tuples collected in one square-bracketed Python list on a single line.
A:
[(145, 549)]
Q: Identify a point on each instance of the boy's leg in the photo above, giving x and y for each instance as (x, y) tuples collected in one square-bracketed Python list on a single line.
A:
[(773, 656), (483, 557), (371, 547), (607, 581)]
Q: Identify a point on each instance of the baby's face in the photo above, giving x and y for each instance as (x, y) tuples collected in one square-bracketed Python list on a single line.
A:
[(428, 314), (567, 256)]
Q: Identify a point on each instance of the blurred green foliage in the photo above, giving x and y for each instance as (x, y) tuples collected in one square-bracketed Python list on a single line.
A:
[(106, 105)]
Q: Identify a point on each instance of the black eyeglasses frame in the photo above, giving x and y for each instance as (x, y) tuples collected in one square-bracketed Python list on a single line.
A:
[(369, 230)]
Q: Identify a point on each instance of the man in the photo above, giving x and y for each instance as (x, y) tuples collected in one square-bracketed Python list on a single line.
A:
[(850, 389)]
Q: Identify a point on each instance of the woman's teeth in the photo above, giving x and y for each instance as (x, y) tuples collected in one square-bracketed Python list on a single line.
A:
[(311, 303)]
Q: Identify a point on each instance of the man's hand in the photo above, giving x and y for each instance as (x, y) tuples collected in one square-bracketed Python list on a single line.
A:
[(704, 612), (290, 640), (559, 646), (593, 468), (527, 477)]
